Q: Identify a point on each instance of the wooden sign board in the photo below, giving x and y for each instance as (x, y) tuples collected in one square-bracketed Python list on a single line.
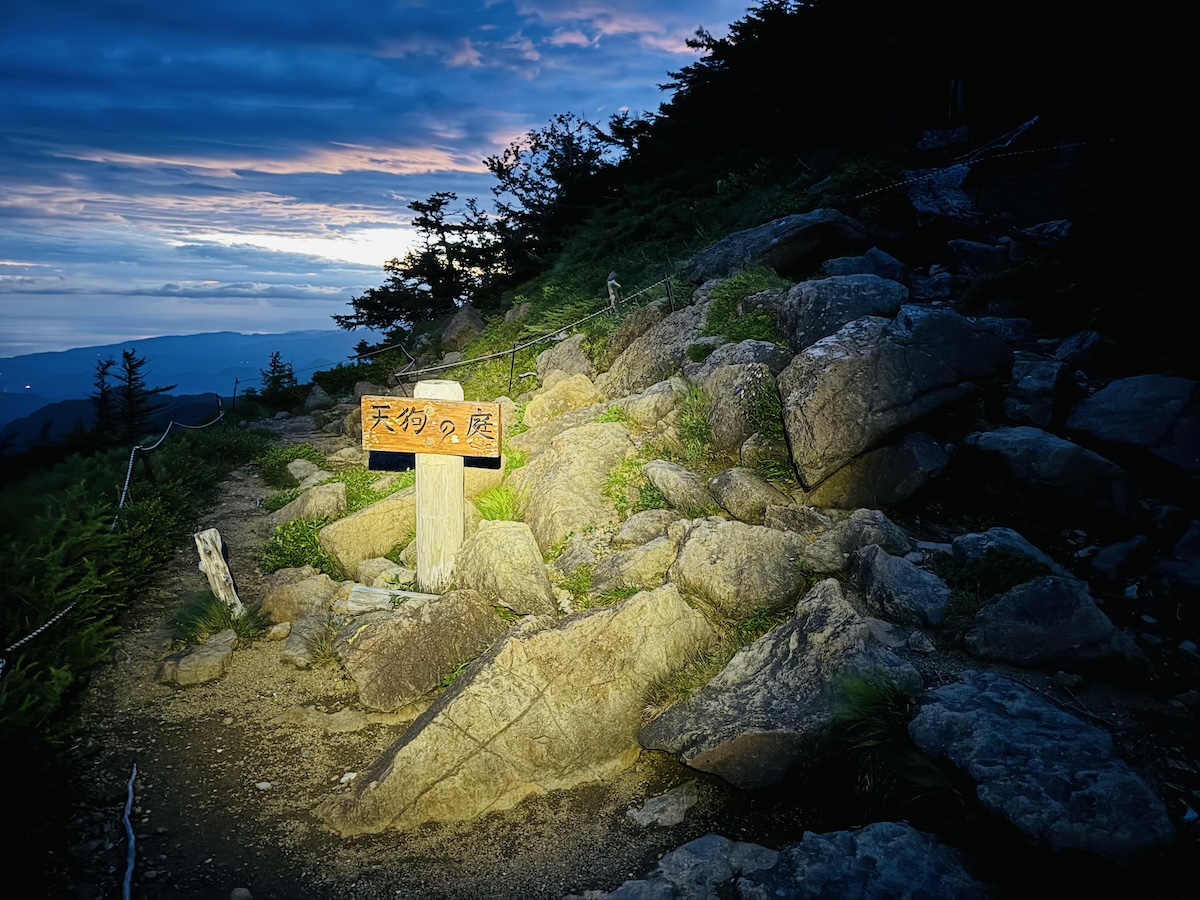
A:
[(421, 425)]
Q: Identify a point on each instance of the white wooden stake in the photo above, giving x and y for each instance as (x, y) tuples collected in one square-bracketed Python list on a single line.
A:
[(440, 490), (212, 564)]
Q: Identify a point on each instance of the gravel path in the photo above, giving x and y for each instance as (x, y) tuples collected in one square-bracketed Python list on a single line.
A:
[(228, 774)]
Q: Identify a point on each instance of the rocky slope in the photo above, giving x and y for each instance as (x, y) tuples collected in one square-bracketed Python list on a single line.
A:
[(1059, 706)]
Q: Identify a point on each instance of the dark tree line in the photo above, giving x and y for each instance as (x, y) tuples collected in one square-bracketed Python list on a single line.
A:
[(792, 78)]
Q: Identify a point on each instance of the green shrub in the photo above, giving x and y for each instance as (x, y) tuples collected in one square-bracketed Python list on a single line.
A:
[(320, 643), (578, 583), (514, 459), (700, 352), (614, 414), (764, 408), (295, 544), (722, 312), (273, 463), (692, 426)]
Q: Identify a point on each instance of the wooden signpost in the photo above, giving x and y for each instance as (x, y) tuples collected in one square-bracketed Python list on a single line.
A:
[(440, 428)]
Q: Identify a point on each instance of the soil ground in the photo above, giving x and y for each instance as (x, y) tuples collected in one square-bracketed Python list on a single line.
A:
[(204, 826)]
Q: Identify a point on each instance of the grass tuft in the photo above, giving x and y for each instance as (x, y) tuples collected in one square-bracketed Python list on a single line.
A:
[(502, 503), (203, 614)]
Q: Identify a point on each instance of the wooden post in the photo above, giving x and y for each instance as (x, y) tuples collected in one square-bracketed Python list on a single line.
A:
[(440, 501), (212, 564)]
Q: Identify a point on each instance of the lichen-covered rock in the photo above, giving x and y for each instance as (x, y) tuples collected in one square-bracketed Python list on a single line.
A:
[(398, 656), (287, 601), (736, 567), (573, 392), (319, 502), (847, 392), (372, 531), (200, 664), (773, 704), (548, 707), (503, 563), (1052, 775), (564, 483)]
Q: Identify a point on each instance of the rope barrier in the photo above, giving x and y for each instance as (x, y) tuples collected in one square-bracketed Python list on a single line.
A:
[(516, 348), (966, 164), (138, 447), (29, 637)]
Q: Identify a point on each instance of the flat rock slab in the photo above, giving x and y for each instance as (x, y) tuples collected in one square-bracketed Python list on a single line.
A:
[(550, 706), (1052, 775), (772, 705)]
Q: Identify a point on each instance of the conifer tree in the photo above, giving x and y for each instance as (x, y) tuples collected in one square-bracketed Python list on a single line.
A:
[(135, 402)]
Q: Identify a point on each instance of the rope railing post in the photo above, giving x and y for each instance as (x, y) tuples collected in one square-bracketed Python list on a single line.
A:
[(512, 367), (670, 295)]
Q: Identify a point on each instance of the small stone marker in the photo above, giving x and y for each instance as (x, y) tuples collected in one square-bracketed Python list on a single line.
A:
[(440, 428)]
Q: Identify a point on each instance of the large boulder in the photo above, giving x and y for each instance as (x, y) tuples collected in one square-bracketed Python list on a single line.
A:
[(398, 656), (654, 355), (573, 392), (371, 531), (683, 488), (548, 707), (881, 477), (200, 664), (835, 549), (1157, 414), (641, 567), (732, 393), (465, 325), (1039, 390), (847, 392), (1053, 622), (899, 590), (884, 859), (789, 244), (1053, 776), (637, 323), (873, 262), (564, 483), (737, 568), (745, 494), (319, 502), (774, 357), (772, 705), (817, 309), (1038, 460), (567, 356), (286, 600), (502, 562)]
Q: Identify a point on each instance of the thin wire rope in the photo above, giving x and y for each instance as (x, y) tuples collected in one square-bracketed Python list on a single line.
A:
[(519, 347)]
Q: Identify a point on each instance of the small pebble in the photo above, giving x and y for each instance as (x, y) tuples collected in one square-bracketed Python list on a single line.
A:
[(263, 785)]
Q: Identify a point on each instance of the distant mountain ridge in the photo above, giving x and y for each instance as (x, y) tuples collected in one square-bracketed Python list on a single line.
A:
[(194, 363)]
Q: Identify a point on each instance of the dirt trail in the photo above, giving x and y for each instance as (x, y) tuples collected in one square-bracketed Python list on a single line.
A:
[(206, 822)]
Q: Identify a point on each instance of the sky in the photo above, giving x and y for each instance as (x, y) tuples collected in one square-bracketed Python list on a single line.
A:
[(246, 165)]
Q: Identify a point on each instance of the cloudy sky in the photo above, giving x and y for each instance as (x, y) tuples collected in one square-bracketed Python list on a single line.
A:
[(245, 165)]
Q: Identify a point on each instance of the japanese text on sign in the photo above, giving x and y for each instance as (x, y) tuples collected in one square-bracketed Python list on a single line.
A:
[(416, 425)]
